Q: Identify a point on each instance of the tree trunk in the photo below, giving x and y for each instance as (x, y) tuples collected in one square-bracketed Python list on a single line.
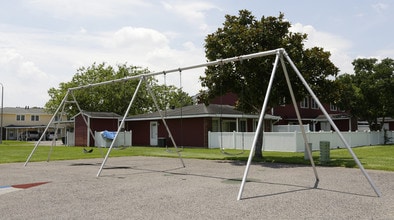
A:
[(258, 153)]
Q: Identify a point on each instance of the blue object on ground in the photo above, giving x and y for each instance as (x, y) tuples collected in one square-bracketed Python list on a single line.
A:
[(108, 134)]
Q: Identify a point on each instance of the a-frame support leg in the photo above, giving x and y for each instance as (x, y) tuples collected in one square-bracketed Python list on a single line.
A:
[(333, 125), (46, 128), (123, 120), (259, 125), (91, 134), (282, 53), (308, 150), (120, 126), (165, 124), (55, 133)]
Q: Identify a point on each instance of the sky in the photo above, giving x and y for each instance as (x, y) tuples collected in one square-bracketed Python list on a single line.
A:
[(44, 42)]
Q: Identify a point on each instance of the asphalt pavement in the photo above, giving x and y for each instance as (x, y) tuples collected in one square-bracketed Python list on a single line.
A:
[(161, 188)]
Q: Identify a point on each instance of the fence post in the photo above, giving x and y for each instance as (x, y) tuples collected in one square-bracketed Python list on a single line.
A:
[(234, 140), (209, 140)]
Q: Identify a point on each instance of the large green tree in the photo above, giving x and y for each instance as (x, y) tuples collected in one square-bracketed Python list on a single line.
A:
[(369, 92), (115, 97), (245, 34)]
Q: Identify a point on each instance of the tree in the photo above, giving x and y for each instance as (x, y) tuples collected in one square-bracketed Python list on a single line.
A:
[(244, 34), (115, 97), (369, 93)]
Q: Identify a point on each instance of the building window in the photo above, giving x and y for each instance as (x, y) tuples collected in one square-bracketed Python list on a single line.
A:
[(282, 101), (20, 117), (242, 125), (215, 125), (225, 126), (229, 125), (305, 103), (333, 107), (314, 104), (35, 118)]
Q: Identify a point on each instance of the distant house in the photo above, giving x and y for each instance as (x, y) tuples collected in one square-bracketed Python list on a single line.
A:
[(95, 121), (388, 123), (190, 125), (25, 123), (312, 115)]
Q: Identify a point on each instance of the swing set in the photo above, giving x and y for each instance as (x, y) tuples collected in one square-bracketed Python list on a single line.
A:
[(280, 56)]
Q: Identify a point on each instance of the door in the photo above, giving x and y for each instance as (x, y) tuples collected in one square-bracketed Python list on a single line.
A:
[(153, 133)]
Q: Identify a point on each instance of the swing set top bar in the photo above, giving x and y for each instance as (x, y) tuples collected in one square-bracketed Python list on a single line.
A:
[(211, 63)]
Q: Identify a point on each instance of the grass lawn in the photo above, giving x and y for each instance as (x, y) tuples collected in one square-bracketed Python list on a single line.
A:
[(372, 157)]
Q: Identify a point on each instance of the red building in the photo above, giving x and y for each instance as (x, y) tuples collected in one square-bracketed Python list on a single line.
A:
[(190, 125), (95, 121), (312, 115)]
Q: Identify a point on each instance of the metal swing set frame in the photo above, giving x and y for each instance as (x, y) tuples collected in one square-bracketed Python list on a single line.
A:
[(280, 56)]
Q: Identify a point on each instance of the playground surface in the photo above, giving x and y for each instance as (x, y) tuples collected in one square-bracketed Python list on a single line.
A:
[(160, 188)]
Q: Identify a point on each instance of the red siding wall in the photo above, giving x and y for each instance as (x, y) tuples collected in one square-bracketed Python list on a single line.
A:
[(227, 99), (288, 114), (188, 132), (287, 111), (391, 125), (140, 131), (96, 124), (80, 131)]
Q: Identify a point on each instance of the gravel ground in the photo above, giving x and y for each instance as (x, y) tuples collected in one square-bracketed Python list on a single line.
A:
[(160, 188)]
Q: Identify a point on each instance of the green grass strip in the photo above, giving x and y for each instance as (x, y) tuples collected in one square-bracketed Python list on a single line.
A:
[(371, 157)]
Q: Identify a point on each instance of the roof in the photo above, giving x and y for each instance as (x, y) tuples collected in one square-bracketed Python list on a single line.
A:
[(333, 117), (198, 111), (24, 111), (386, 119), (106, 115), (25, 126)]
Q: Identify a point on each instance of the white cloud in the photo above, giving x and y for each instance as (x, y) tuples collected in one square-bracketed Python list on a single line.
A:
[(52, 58), (193, 12), (141, 38), (22, 69), (380, 7), (44, 42), (22, 79), (337, 45), (87, 8)]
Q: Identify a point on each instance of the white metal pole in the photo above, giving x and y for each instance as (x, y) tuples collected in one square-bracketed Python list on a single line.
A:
[(120, 126), (87, 123), (165, 124), (50, 122), (259, 124), (333, 125), (308, 150), (212, 63)]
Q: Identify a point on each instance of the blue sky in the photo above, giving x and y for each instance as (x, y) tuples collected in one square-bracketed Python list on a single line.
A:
[(44, 42)]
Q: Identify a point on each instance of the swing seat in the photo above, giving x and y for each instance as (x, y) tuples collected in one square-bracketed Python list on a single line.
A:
[(87, 151)]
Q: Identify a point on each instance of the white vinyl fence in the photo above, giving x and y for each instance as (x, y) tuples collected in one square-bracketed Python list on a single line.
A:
[(70, 139), (123, 139), (289, 128), (293, 141)]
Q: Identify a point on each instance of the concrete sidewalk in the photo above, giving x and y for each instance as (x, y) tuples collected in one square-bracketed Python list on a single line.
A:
[(160, 188)]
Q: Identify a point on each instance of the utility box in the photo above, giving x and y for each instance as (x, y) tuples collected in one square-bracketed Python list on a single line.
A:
[(161, 141), (324, 152)]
